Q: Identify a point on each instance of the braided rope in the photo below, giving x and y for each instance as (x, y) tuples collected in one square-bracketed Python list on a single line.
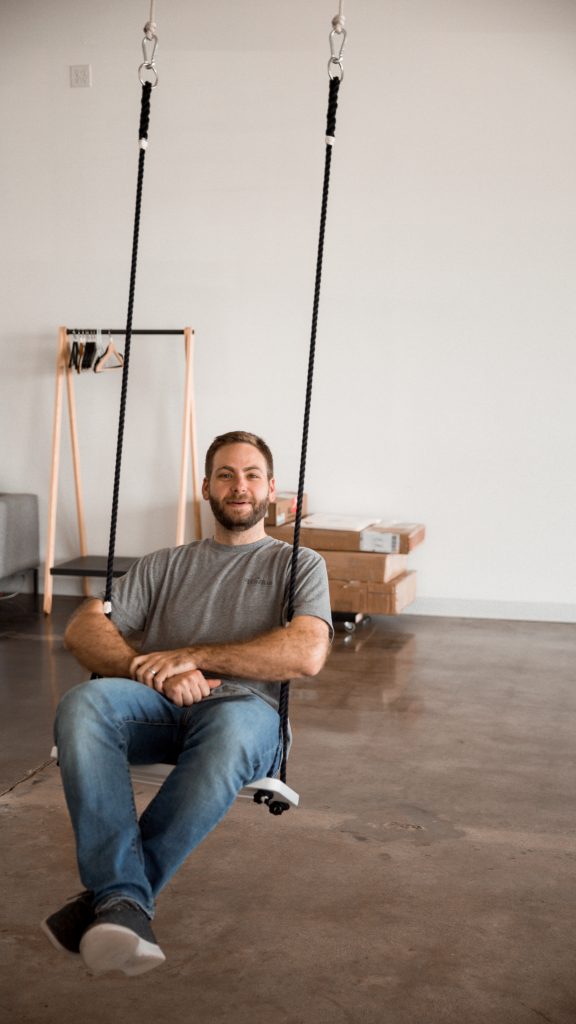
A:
[(143, 135), (330, 132)]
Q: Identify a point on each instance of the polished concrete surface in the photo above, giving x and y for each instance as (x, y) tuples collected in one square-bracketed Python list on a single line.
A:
[(429, 876)]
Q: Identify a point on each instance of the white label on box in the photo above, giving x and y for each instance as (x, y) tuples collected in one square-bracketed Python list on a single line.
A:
[(329, 522), (386, 543), (280, 518)]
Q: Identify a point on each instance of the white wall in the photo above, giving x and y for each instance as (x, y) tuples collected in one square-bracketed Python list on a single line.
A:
[(446, 368)]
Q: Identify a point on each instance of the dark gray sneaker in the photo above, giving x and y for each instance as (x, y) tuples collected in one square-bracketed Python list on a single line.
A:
[(120, 939), (66, 926)]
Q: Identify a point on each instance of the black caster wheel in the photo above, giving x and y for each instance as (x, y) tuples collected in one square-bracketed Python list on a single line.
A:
[(278, 806)]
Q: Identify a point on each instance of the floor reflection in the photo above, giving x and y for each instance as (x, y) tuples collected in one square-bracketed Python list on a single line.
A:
[(371, 669)]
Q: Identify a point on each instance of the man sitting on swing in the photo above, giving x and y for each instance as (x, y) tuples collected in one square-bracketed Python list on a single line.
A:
[(201, 692)]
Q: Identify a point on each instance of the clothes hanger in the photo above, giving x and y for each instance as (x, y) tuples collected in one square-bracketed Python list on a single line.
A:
[(110, 353)]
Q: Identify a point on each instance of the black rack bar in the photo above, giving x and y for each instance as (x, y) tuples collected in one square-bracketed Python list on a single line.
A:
[(117, 330)]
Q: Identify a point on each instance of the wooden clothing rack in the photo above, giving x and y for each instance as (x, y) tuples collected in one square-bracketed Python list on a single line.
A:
[(93, 565)]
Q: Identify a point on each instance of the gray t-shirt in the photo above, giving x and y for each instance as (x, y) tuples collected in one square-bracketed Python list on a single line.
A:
[(210, 593)]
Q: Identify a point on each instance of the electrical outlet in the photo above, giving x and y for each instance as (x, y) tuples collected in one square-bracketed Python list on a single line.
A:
[(80, 76)]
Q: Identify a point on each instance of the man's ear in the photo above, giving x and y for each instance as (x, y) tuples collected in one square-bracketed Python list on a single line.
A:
[(205, 493), (272, 486)]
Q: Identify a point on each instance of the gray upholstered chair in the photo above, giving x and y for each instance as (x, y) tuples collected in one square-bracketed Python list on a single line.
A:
[(19, 541)]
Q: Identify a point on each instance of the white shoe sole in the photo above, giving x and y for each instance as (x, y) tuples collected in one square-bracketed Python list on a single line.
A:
[(110, 947)]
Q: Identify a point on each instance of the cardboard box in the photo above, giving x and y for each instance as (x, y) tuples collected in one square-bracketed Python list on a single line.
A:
[(386, 538), (370, 568), (393, 537), (283, 509), (373, 598), (329, 521), (319, 540)]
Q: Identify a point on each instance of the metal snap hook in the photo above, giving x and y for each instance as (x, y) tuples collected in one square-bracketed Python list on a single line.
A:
[(337, 43), (149, 45), (152, 42)]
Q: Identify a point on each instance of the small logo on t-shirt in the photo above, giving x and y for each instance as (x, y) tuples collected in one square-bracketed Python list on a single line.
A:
[(258, 581)]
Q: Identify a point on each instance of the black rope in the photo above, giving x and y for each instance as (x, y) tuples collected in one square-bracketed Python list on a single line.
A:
[(330, 132), (143, 134)]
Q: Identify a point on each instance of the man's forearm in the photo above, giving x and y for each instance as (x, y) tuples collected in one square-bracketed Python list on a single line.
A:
[(280, 654), (94, 640), (292, 652)]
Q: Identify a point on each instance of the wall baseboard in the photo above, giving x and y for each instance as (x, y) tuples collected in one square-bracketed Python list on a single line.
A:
[(525, 611)]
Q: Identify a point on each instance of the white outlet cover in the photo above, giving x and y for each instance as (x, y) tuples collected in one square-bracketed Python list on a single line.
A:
[(80, 76)]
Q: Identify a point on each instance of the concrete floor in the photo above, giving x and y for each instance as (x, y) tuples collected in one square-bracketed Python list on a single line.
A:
[(428, 877)]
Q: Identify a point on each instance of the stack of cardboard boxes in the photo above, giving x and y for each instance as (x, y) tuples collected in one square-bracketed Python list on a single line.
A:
[(367, 559)]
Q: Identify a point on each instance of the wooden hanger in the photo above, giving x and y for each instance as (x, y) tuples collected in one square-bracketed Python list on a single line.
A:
[(110, 353)]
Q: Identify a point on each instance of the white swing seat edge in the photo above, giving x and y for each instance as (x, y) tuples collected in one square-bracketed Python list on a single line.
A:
[(156, 774)]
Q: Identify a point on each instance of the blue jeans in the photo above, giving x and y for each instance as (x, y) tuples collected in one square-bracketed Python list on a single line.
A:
[(218, 746)]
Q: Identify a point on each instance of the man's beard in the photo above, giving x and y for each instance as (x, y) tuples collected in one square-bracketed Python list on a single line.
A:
[(259, 510)]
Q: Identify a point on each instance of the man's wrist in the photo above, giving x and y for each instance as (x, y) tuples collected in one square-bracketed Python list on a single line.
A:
[(125, 664), (195, 655)]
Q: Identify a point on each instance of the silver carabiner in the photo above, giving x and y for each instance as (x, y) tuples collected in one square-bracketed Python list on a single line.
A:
[(148, 62), (152, 41), (337, 43)]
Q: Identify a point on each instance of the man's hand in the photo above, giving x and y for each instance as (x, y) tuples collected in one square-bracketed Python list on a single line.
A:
[(188, 688), (175, 674), (155, 668)]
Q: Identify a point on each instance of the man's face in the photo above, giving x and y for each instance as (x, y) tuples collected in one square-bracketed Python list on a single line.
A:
[(239, 490)]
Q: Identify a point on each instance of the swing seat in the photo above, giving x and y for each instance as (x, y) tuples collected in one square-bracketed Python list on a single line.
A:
[(273, 792), (276, 794)]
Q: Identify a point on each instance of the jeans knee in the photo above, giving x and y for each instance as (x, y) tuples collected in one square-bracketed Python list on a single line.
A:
[(77, 707), (247, 738), (68, 712)]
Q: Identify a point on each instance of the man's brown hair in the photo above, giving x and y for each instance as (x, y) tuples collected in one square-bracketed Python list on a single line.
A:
[(238, 437)]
